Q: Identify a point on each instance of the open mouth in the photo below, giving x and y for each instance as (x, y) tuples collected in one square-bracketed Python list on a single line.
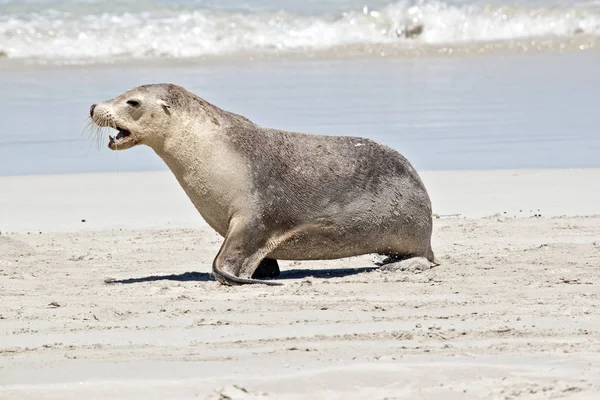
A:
[(121, 136)]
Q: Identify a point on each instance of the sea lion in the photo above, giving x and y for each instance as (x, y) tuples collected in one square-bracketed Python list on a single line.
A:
[(272, 194)]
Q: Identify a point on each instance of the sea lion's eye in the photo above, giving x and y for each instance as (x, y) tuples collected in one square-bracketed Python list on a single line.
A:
[(133, 103)]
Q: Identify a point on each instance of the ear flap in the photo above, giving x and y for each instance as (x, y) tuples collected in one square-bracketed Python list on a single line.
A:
[(165, 106)]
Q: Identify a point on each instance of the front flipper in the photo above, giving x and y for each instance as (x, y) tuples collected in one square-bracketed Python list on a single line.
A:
[(241, 254)]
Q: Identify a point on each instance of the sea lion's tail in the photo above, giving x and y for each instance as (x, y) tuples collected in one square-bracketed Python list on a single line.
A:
[(228, 279)]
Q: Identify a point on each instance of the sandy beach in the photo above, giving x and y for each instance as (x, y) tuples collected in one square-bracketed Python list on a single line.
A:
[(105, 284), (512, 312)]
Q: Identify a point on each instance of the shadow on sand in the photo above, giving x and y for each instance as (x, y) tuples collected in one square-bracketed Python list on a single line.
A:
[(288, 274)]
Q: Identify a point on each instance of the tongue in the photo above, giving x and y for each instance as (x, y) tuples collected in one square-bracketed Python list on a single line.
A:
[(120, 135)]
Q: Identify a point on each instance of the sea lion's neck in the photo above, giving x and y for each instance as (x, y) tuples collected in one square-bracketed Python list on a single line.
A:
[(192, 157), (182, 153)]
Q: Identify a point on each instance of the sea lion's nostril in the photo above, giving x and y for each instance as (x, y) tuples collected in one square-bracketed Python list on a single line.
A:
[(92, 110)]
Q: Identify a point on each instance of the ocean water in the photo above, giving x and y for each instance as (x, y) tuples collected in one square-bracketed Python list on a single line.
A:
[(85, 31), (463, 84)]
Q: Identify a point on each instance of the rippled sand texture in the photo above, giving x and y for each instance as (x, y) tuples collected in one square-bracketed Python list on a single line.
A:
[(512, 312)]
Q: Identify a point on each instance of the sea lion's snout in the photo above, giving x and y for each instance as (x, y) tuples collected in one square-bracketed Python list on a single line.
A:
[(107, 115)]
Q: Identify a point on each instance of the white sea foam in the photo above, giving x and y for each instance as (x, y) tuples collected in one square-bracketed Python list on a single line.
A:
[(60, 35)]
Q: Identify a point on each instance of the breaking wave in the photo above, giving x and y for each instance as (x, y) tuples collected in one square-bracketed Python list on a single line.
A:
[(63, 35)]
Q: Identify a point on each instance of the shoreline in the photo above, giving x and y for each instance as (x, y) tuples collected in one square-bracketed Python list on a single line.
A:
[(164, 168), (371, 52), (154, 199)]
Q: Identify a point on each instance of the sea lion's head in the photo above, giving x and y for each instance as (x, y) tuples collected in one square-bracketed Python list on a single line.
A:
[(140, 116)]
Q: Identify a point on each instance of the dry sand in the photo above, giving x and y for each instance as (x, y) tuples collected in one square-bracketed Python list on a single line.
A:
[(513, 311)]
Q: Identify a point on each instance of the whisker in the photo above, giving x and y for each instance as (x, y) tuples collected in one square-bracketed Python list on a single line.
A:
[(97, 128), (89, 129), (100, 136), (97, 136), (93, 136), (86, 126), (89, 148)]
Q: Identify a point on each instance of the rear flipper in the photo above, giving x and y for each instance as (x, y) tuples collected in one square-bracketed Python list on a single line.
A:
[(407, 260), (431, 257), (413, 264)]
